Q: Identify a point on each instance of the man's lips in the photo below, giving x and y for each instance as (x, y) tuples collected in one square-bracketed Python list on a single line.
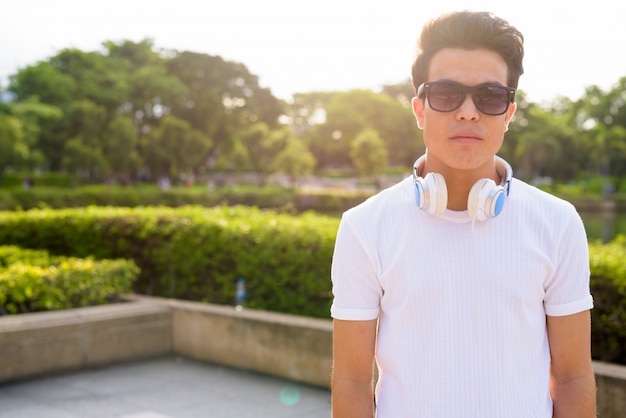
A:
[(466, 137)]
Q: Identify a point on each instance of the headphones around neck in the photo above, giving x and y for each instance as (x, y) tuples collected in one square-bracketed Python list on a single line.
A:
[(485, 199)]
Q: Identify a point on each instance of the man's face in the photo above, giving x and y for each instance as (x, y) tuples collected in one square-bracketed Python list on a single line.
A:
[(463, 139)]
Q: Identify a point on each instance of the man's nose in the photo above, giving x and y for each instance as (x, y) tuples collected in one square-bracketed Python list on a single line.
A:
[(468, 110)]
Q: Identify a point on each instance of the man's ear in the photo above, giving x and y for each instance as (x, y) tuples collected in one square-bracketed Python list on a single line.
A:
[(509, 115), (418, 110)]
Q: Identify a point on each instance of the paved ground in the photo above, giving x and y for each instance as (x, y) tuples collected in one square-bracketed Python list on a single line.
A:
[(170, 387)]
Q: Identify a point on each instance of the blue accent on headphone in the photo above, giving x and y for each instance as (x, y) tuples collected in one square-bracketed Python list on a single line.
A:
[(500, 202), (417, 195)]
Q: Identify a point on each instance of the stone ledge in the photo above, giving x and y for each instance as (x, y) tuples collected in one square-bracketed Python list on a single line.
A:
[(296, 348), (611, 389), (290, 346), (37, 343)]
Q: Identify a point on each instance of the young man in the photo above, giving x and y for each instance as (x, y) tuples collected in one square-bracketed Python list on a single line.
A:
[(468, 288)]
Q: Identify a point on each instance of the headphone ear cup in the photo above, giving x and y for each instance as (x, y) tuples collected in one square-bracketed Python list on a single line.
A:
[(431, 193), (437, 193), (485, 199)]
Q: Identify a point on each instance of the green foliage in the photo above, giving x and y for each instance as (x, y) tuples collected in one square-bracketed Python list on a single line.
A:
[(36, 118), (119, 142), (368, 153), (111, 113), (268, 197), (196, 253), (346, 114), (263, 146), (33, 281), (596, 185), (194, 101), (608, 286), (175, 148), (44, 81), (295, 160), (13, 144)]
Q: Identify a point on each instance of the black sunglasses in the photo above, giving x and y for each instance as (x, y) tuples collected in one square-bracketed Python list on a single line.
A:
[(446, 96)]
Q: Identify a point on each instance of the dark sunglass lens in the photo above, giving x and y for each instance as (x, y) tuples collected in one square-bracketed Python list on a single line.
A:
[(445, 97), (492, 100)]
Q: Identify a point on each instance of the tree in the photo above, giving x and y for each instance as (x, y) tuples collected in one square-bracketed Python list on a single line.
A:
[(44, 82), (236, 159), (295, 160), (403, 92), (83, 160), (152, 95), (98, 78), (137, 54), (264, 145), (538, 146), (348, 113), (368, 152), (603, 116), (67, 81), (37, 119), (83, 152), (76, 111), (175, 148), (306, 111), (119, 146), (542, 141), (222, 99), (152, 90), (193, 152), (608, 151), (13, 147)]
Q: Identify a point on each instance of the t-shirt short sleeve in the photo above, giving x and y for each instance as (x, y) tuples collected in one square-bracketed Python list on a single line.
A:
[(567, 291), (356, 290)]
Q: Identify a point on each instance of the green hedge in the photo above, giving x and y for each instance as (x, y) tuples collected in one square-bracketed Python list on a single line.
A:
[(33, 281), (608, 284), (196, 253), (16, 180), (269, 197)]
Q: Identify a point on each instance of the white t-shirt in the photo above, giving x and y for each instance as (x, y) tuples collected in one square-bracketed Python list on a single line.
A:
[(461, 305)]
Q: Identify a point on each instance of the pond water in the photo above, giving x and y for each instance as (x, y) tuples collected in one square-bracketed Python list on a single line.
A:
[(604, 226)]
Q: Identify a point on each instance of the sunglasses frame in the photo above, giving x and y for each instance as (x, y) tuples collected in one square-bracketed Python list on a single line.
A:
[(424, 90)]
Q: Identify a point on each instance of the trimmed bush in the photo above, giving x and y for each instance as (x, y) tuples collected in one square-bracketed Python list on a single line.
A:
[(33, 281), (196, 253), (608, 286), (269, 197), (16, 180)]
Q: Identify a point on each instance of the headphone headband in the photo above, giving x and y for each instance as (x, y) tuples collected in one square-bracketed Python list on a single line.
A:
[(507, 175)]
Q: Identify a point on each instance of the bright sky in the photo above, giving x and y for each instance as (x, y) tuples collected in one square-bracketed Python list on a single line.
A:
[(297, 46)]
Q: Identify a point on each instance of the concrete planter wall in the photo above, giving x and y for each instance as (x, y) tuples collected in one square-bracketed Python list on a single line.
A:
[(297, 348), (288, 346), (39, 343)]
